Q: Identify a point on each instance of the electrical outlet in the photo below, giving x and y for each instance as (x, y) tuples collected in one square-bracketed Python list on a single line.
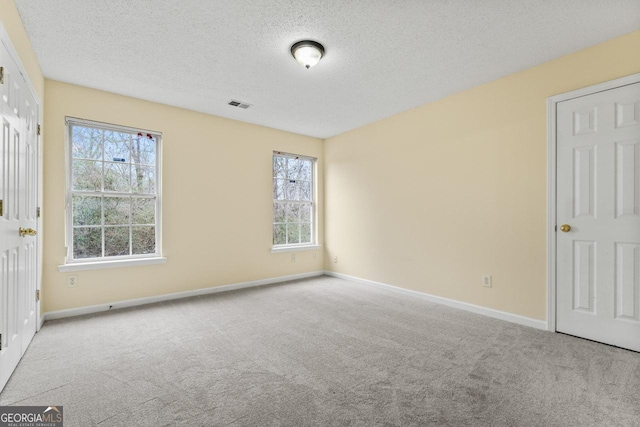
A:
[(487, 280), (335, 259), (293, 257), (314, 256), (72, 281)]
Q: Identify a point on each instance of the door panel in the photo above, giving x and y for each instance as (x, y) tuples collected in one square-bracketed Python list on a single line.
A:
[(18, 192), (598, 195), (10, 222), (628, 281), (29, 218), (584, 276), (627, 178), (584, 199)]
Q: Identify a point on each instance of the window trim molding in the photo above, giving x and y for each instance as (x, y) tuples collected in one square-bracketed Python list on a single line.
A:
[(314, 206), (108, 262), (295, 248), (100, 265), (107, 126)]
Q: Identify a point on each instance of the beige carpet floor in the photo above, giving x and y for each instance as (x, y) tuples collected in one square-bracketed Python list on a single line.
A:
[(320, 352)]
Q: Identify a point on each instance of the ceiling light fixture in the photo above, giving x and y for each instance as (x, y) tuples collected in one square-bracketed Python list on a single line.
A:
[(307, 52)]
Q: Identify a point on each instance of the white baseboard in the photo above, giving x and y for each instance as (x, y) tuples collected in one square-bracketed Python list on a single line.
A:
[(496, 314), (167, 297)]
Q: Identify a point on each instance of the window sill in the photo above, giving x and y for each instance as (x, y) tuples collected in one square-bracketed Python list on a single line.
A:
[(278, 249), (100, 265)]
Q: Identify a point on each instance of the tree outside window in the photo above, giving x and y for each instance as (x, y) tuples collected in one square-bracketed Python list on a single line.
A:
[(113, 192), (293, 198)]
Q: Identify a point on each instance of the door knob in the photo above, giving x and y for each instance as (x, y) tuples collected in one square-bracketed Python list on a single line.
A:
[(565, 228), (27, 232)]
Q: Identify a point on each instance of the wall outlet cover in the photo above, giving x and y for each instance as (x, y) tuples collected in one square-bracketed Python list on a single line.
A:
[(487, 280), (72, 281)]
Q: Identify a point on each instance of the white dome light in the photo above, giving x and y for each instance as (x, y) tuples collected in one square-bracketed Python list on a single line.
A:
[(307, 52)]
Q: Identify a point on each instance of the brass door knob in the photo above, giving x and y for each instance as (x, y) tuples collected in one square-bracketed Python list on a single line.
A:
[(27, 232), (565, 228)]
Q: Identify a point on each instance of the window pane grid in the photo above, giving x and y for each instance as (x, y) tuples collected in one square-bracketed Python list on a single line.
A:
[(293, 220), (113, 193), (112, 225), (111, 161)]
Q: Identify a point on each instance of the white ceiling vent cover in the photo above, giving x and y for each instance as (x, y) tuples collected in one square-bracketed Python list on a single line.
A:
[(239, 104)]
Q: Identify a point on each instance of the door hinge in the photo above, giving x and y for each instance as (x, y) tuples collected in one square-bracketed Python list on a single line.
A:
[(38, 295), (38, 212), (39, 130), (1, 211), (1, 75), (0, 342)]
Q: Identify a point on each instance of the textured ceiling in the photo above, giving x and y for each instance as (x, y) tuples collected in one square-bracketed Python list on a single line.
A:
[(382, 56)]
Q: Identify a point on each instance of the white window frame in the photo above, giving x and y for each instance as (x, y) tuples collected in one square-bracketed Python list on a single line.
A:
[(291, 247), (72, 264)]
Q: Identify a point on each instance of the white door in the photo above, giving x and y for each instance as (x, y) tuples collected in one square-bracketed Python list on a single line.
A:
[(18, 193), (598, 198)]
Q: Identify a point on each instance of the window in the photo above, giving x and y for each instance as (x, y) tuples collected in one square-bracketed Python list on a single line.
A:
[(293, 200), (113, 197)]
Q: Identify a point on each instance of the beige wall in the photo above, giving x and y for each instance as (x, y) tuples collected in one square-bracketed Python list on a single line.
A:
[(217, 200), (432, 198)]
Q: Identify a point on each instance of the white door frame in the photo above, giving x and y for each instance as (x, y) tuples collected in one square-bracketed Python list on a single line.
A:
[(6, 41), (551, 181)]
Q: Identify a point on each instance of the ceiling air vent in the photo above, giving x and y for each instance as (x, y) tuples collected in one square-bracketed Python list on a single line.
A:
[(239, 104)]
